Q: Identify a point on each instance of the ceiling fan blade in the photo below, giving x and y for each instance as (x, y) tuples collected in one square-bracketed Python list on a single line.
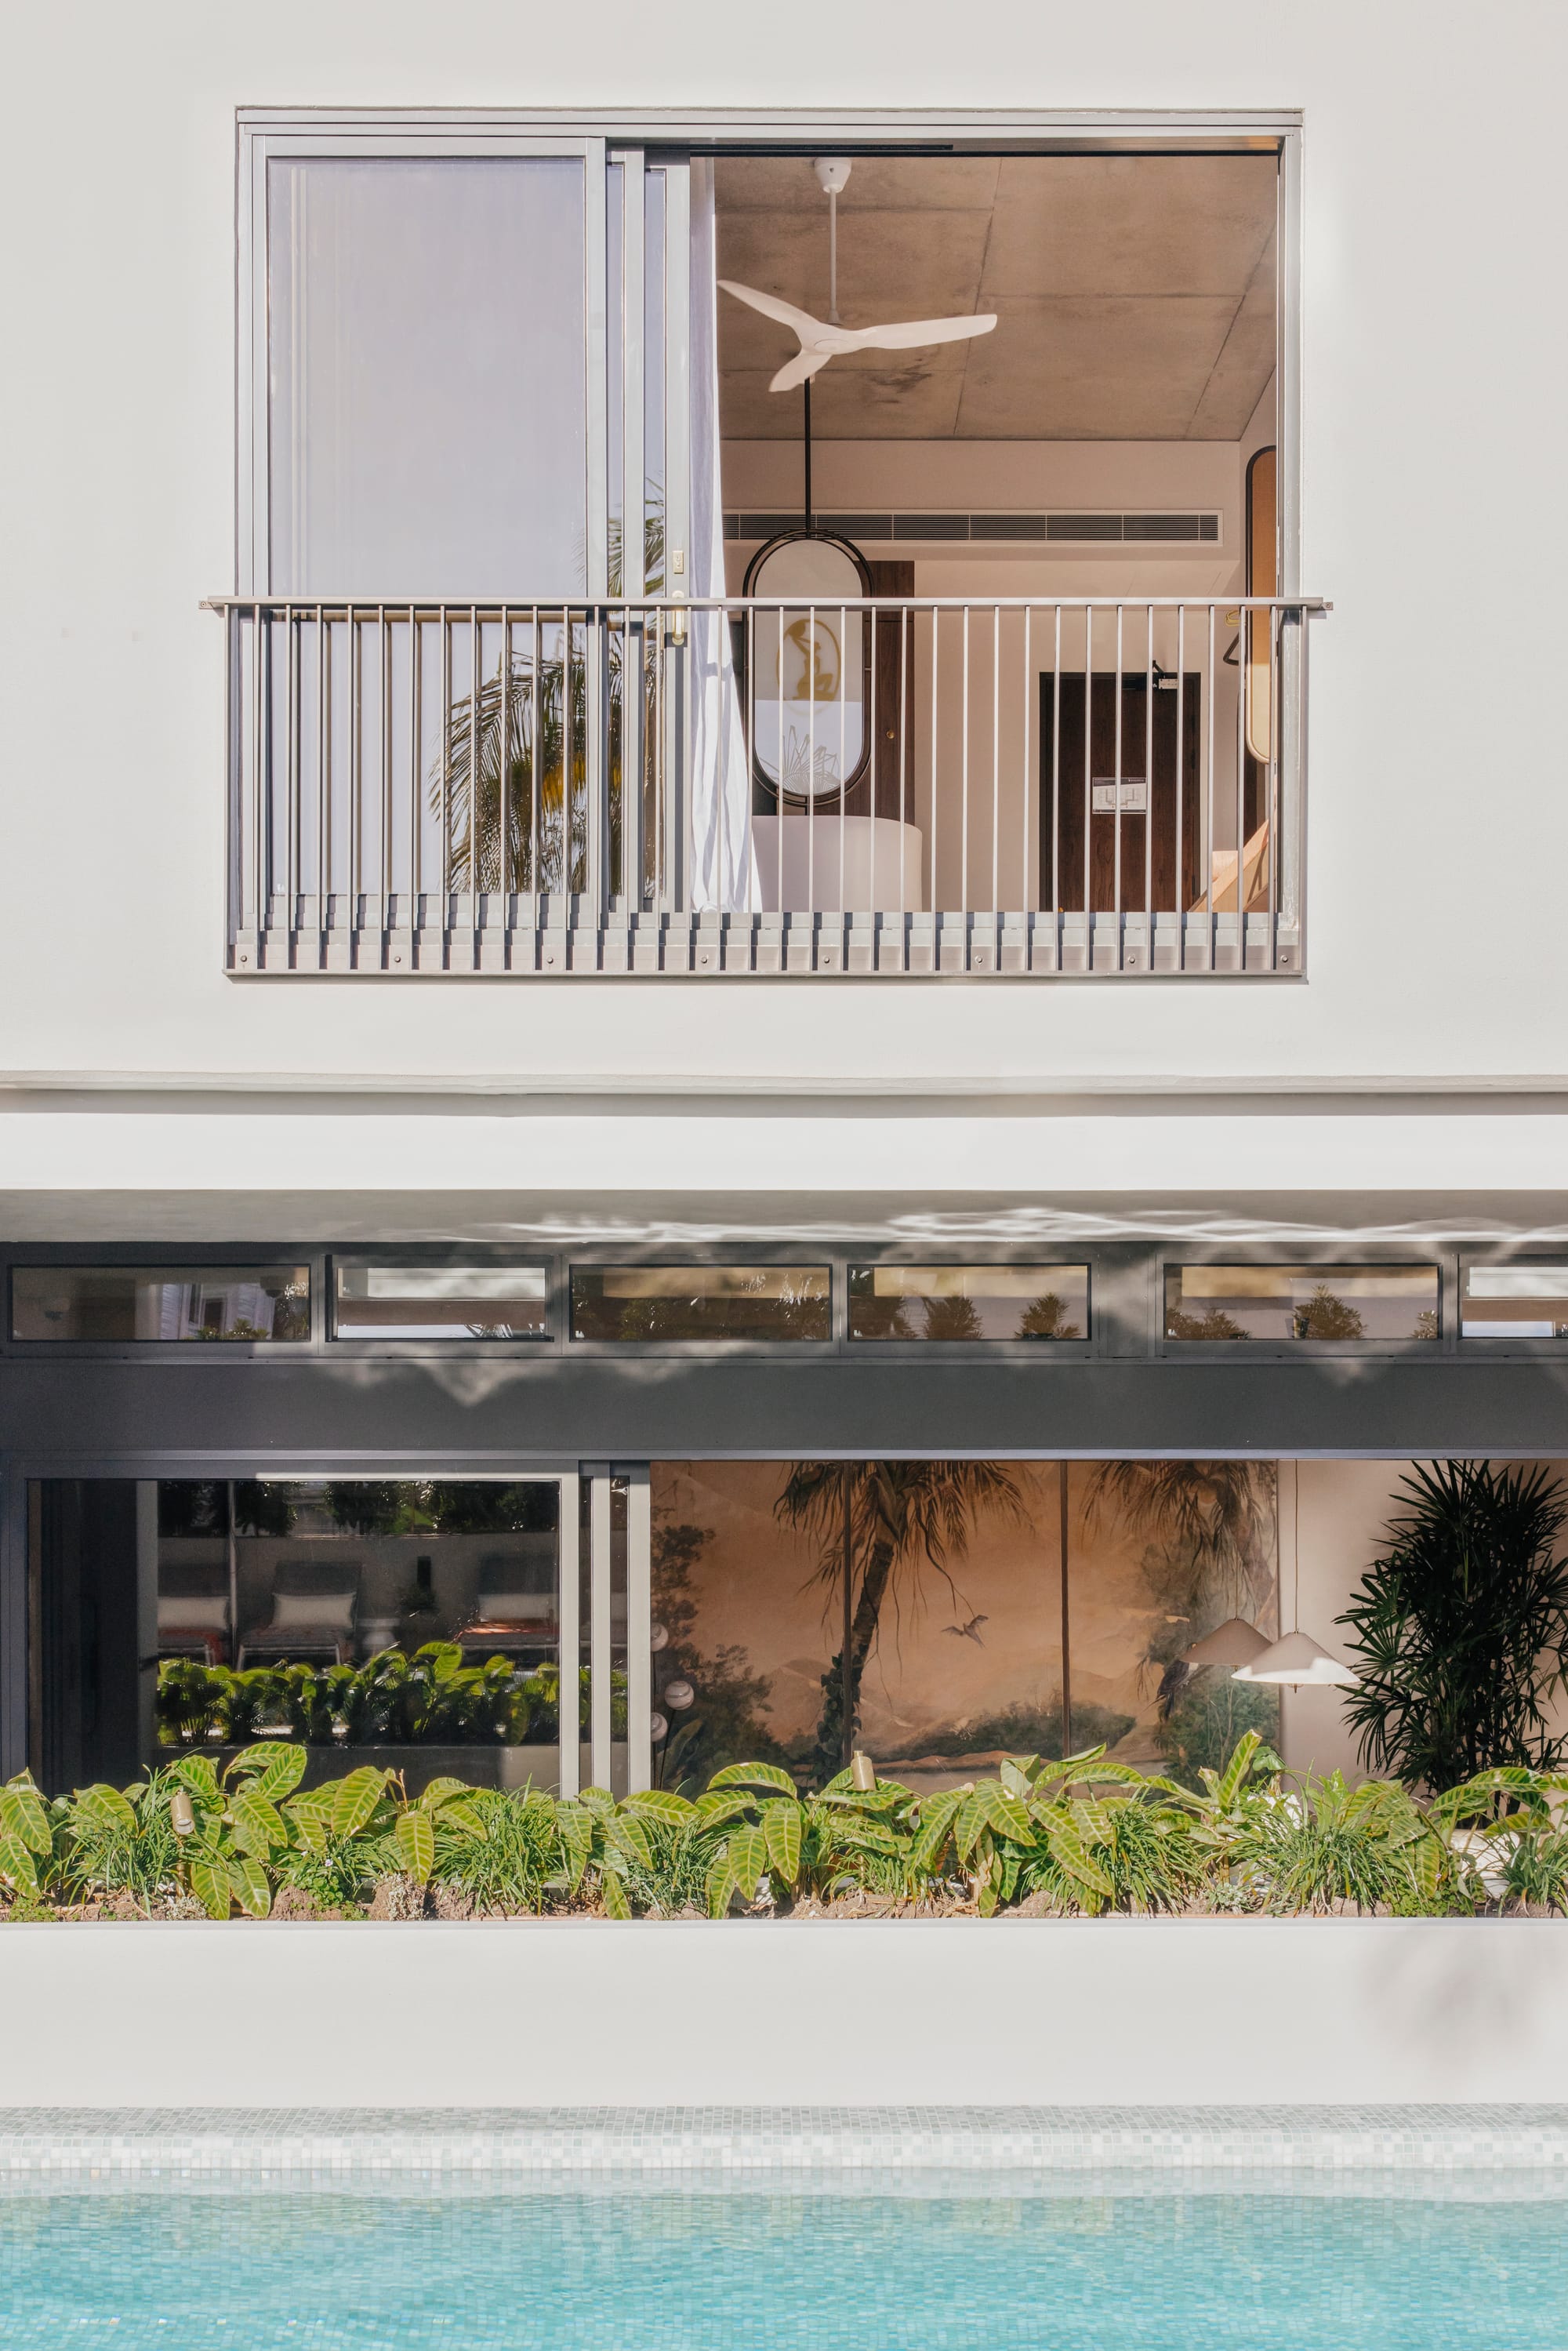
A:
[(911, 333), (801, 323), (800, 370)]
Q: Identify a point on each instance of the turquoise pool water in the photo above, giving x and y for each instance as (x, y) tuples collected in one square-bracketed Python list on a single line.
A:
[(520, 2272)]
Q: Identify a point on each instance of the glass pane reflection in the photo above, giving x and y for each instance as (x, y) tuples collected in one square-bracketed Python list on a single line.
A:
[(653, 1303), (968, 1301), (1301, 1301), (160, 1303), (446, 1301), (1514, 1302)]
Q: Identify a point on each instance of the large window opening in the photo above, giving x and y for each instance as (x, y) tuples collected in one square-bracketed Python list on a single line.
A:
[(428, 1625), (1060, 511), (963, 1631), (963, 469)]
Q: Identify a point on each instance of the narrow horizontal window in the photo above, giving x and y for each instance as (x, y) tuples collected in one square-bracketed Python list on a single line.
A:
[(1301, 1301), (112, 1304), (445, 1302), (968, 1301), (701, 1301), (1514, 1302)]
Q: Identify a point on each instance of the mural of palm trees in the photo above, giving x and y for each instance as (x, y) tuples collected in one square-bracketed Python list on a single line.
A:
[(880, 1525), (1222, 1511)]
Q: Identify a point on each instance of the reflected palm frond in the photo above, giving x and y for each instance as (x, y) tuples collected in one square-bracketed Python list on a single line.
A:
[(513, 785)]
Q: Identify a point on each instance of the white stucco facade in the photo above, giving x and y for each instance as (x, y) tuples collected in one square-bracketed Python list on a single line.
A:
[(1409, 1090), (1430, 491)]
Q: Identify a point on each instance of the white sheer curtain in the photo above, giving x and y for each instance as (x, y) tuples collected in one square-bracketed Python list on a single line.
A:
[(723, 870)]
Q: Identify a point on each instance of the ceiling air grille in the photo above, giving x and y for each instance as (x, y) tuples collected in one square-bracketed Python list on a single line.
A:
[(1016, 529)]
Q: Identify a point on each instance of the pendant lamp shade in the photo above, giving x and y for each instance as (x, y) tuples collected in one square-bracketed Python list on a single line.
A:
[(1296, 1661), (1234, 1643)]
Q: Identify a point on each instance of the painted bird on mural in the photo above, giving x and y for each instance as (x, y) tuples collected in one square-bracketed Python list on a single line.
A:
[(968, 1631)]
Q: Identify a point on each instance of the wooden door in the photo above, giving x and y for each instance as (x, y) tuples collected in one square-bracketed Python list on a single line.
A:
[(1143, 730), (889, 790)]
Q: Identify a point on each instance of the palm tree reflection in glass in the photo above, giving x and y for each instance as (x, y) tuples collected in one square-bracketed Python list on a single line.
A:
[(511, 781), (513, 786)]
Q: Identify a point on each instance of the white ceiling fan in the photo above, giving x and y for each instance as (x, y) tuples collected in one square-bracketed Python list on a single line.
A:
[(823, 340)]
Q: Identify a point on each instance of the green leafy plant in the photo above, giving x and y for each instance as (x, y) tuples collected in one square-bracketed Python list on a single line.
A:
[(1460, 1628), (1080, 1837)]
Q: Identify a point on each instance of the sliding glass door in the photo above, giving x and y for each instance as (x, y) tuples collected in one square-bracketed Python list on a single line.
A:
[(486, 1630)]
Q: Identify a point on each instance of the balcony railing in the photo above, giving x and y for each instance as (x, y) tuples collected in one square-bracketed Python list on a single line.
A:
[(901, 785)]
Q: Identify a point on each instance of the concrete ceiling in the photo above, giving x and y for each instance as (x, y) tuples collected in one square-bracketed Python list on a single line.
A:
[(1135, 295)]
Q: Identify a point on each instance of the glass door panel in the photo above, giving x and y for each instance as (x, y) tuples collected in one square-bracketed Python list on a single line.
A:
[(418, 1623), (427, 393)]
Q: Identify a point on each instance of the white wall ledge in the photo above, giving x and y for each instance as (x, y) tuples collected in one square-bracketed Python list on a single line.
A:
[(1022, 2012)]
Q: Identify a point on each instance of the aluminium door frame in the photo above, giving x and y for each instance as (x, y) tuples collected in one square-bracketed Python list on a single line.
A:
[(963, 130), (18, 1474), (268, 136)]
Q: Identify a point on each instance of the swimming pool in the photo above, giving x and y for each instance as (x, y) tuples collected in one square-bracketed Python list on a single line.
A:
[(786, 2233)]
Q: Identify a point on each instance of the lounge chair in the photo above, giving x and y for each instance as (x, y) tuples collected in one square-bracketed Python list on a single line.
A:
[(515, 1608), (314, 1614)]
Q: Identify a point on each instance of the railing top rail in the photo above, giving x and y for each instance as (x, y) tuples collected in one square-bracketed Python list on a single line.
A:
[(578, 605)]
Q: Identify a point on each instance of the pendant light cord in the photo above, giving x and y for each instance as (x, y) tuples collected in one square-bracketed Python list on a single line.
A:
[(833, 256)]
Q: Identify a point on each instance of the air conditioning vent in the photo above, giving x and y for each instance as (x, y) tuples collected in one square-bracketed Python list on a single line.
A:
[(1082, 527), (993, 529)]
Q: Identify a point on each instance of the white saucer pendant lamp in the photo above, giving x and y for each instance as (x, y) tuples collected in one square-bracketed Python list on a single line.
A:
[(1234, 1644), (1295, 1659)]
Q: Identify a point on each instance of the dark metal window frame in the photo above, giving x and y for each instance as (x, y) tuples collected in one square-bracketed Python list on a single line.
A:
[(1126, 1304), (111, 1257), (1442, 1263), (481, 1259), (1475, 1345), (1024, 1351)]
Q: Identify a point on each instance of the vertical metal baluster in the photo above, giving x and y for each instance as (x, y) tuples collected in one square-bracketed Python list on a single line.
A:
[(872, 620), (415, 758), (535, 732), (633, 753), (906, 623), (717, 622), (935, 714), (383, 680), (748, 638), (1208, 843), (1243, 649), (323, 754), (1271, 837), (1056, 772), (448, 875), (1181, 875), (810, 745), (291, 770), (843, 747), (963, 779), (995, 756), (473, 775), (260, 780), (1149, 787), (1116, 790), (356, 772), (1088, 774), (1026, 886), (568, 758), (662, 786), (504, 781)]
